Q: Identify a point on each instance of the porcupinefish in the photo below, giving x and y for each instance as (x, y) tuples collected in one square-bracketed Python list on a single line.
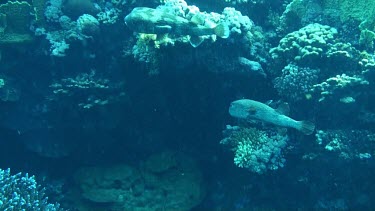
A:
[(252, 110), (162, 21)]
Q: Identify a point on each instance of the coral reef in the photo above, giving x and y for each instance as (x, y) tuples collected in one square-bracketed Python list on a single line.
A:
[(88, 90), (21, 192), (313, 63), (347, 15), (168, 180), (70, 22), (305, 47), (151, 49), (235, 2), (342, 87), (39, 8), (76, 8), (74, 92), (16, 19), (88, 25), (254, 149), (347, 144), (9, 92), (361, 11), (296, 82), (53, 10)]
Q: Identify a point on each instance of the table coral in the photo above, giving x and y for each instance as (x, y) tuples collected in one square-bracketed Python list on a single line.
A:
[(87, 90)]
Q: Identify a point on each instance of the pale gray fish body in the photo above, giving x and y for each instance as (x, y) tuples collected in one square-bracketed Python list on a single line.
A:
[(252, 110)]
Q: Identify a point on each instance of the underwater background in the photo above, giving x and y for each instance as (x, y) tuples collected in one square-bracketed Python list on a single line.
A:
[(100, 115)]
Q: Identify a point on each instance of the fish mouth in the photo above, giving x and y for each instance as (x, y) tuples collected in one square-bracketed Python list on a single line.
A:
[(232, 104), (126, 19)]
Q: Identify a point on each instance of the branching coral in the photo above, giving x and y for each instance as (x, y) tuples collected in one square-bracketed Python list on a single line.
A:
[(256, 150), (21, 192)]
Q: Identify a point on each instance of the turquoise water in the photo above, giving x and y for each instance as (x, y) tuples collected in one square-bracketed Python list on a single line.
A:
[(123, 109)]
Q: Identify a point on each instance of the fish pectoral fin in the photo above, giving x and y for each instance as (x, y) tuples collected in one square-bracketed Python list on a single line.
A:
[(268, 102), (195, 41), (251, 121), (282, 131), (283, 109), (162, 29), (252, 110)]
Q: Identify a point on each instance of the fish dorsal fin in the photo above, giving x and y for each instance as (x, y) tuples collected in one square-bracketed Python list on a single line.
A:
[(283, 109), (162, 29), (198, 19), (268, 102)]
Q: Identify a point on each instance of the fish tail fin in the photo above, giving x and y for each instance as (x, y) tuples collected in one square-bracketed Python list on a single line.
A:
[(306, 127), (195, 41), (222, 30)]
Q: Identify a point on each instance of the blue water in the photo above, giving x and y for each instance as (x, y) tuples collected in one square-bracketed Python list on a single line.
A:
[(110, 116)]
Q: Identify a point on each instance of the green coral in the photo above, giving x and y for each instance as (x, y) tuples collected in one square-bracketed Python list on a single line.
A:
[(349, 10), (294, 14), (361, 11)]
